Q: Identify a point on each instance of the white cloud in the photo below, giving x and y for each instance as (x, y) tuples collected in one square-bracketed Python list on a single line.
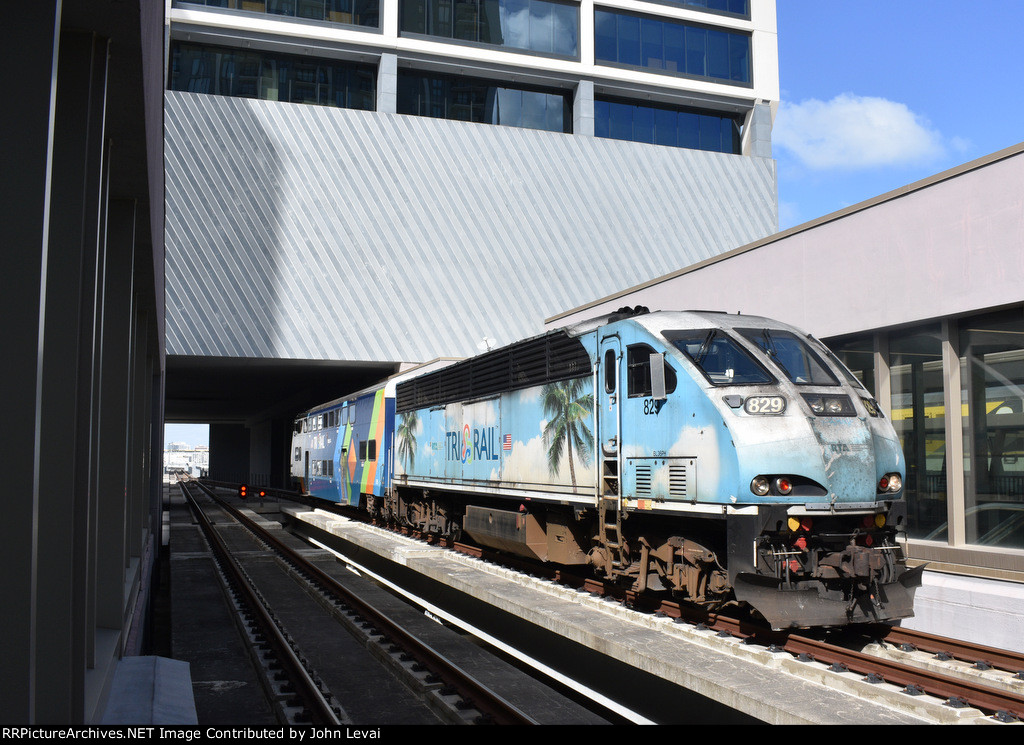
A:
[(855, 133)]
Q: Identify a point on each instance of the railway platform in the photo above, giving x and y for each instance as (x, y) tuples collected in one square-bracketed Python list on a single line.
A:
[(708, 679)]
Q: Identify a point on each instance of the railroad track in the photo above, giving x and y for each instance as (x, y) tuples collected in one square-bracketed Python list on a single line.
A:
[(917, 664), (293, 689), (466, 698)]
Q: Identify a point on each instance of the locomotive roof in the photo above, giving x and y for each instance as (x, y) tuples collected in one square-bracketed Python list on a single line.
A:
[(663, 320)]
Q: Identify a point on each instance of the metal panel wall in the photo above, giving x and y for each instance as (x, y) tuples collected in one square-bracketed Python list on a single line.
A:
[(315, 233)]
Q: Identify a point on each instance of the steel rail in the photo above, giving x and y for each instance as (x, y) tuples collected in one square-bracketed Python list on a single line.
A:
[(320, 710), (914, 679), (977, 654), (482, 698)]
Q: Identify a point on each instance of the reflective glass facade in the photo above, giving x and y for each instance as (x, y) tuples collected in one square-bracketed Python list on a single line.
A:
[(918, 414), (354, 12), (992, 392), (273, 77), (858, 355), (673, 47), (537, 26), (489, 102), (667, 125), (975, 481)]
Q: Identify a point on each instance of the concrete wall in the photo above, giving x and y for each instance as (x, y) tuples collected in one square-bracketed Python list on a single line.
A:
[(307, 232), (949, 244)]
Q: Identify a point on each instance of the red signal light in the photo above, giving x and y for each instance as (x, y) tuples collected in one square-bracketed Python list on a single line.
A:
[(243, 491)]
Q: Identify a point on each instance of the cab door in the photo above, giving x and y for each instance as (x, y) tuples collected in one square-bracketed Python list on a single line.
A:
[(609, 412)]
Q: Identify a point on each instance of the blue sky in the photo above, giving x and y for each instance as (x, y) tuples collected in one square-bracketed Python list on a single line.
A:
[(878, 94), (193, 434)]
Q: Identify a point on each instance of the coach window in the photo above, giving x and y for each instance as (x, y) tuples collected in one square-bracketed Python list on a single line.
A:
[(638, 364)]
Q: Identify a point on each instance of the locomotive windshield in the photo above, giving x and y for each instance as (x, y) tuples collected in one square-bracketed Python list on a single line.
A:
[(719, 357), (792, 355)]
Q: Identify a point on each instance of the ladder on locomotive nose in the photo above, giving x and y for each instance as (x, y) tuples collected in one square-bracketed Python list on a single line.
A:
[(610, 518)]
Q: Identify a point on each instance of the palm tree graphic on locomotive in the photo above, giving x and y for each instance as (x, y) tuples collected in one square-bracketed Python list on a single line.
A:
[(569, 408), (406, 435)]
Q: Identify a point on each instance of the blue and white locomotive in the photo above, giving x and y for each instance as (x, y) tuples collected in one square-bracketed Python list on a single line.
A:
[(721, 458)]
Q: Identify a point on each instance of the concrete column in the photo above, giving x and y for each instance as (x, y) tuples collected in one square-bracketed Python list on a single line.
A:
[(260, 461), (757, 132), (387, 84), (583, 109), (956, 487), (229, 452)]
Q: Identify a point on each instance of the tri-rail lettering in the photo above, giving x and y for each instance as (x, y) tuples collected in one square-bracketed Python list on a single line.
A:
[(472, 444)]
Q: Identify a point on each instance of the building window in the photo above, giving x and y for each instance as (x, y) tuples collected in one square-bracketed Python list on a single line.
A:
[(738, 8), (272, 77), (672, 47), (539, 26), (858, 355), (352, 12), (918, 414), (992, 393), (667, 125), (474, 100)]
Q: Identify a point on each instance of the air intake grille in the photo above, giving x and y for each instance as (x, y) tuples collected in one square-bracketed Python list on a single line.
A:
[(678, 481), (543, 359), (643, 481)]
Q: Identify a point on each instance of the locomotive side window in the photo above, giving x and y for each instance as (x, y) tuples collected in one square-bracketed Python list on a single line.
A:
[(609, 371), (792, 355), (638, 364), (719, 357)]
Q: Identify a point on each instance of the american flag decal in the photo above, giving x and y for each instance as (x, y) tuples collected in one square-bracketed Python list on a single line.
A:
[(506, 442)]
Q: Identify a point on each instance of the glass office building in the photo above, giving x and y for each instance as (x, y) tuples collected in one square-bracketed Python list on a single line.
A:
[(566, 66)]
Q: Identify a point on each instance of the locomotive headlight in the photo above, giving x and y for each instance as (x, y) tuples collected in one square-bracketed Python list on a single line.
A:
[(802, 523), (760, 486), (783, 485), (891, 483), (830, 405)]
